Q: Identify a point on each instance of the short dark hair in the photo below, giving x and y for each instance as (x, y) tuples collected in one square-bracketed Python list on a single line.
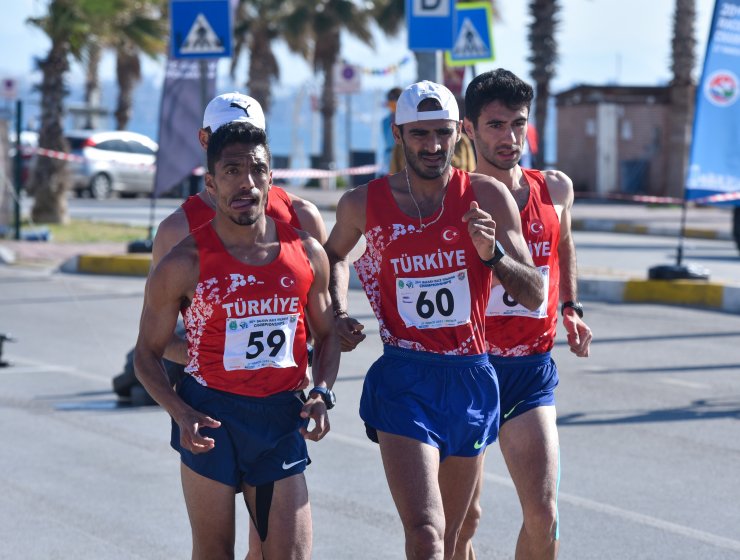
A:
[(234, 133), (496, 85), (393, 94)]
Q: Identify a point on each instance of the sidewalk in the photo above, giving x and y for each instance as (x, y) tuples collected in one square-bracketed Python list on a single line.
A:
[(587, 215)]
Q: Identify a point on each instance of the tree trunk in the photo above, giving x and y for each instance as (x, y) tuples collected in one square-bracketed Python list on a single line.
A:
[(128, 72), (544, 56), (682, 97), (49, 181), (92, 84), (263, 66), (326, 57)]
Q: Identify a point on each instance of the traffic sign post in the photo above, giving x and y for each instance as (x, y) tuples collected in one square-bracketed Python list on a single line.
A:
[(473, 35), (430, 24), (200, 28)]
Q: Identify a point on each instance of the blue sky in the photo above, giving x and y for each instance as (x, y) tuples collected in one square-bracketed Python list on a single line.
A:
[(601, 41)]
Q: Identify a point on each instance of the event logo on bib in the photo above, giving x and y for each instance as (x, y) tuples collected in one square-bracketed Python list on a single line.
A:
[(721, 88)]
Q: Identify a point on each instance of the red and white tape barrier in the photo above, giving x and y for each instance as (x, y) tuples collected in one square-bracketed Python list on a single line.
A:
[(307, 173)]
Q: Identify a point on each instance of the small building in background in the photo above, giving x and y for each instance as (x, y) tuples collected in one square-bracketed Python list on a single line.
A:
[(612, 139)]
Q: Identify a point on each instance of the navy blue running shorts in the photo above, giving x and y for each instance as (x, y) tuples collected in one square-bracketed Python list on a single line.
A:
[(525, 382), (258, 441), (449, 402)]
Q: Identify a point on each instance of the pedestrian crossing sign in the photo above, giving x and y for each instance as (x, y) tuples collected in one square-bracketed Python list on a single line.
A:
[(473, 37), (200, 28)]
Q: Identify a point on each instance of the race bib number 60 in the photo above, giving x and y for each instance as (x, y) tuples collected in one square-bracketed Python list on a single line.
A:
[(432, 303), (259, 342)]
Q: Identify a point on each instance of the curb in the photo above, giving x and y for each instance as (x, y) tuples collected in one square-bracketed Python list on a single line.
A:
[(689, 293), (113, 265), (609, 226)]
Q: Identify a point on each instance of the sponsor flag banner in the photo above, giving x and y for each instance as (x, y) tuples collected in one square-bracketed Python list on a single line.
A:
[(714, 165), (180, 117)]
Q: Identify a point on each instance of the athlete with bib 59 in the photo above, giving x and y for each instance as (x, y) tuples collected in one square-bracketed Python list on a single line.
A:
[(246, 285)]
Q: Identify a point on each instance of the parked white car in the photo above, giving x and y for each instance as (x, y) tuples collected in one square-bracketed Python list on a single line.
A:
[(112, 162)]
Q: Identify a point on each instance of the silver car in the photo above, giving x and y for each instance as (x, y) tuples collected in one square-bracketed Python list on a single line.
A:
[(111, 162)]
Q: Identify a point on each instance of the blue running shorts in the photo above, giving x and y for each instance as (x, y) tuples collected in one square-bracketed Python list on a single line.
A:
[(258, 441), (525, 382), (449, 402)]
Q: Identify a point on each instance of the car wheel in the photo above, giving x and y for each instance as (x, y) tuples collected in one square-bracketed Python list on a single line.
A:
[(100, 186)]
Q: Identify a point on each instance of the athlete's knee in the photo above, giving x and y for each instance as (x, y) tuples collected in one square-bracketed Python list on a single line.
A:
[(425, 540), (541, 521), (471, 522), (213, 549)]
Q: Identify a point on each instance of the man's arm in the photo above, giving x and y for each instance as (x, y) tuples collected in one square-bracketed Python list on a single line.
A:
[(515, 271), (172, 281), (309, 217), (326, 343), (579, 334), (345, 234)]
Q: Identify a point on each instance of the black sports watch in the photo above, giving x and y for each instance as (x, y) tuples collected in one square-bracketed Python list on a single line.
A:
[(575, 305), (327, 395), (498, 254)]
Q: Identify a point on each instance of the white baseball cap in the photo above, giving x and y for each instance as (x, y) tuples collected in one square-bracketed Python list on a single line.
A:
[(407, 108), (233, 107)]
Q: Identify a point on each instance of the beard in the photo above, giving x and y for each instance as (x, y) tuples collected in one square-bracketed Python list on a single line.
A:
[(413, 160)]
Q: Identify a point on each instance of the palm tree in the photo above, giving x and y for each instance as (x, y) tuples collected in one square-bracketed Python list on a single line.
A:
[(92, 80), (682, 96), (68, 28), (138, 27), (544, 56), (258, 23), (323, 21)]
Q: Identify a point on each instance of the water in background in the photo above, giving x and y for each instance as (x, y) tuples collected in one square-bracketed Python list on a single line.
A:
[(293, 127)]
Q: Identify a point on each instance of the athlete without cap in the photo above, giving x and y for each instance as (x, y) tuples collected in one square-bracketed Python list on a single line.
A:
[(434, 234), (245, 284), (519, 339)]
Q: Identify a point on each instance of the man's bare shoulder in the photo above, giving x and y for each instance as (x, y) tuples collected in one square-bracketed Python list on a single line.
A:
[(183, 256), (560, 187), (173, 229), (354, 199), (486, 188)]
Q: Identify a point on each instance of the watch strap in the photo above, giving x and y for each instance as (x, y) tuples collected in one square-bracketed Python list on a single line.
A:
[(576, 306)]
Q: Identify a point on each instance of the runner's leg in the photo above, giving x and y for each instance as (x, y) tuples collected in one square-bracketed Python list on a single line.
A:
[(529, 444), (458, 478), (412, 470), (289, 532), (210, 506)]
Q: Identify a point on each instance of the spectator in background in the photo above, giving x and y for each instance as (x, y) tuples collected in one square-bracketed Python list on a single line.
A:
[(388, 141)]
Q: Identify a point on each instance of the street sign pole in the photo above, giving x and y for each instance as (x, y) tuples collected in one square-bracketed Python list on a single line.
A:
[(17, 167)]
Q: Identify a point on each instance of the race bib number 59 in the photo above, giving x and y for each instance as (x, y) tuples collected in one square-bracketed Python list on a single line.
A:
[(259, 342), (432, 303)]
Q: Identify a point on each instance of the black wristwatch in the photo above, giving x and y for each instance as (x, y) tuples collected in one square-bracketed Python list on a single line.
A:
[(575, 305), (498, 254), (327, 395)]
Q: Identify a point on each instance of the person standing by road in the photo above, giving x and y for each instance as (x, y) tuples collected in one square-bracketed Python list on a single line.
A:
[(245, 284), (434, 234), (519, 339)]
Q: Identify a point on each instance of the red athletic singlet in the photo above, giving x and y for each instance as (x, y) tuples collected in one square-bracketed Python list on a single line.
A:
[(511, 329), (427, 287), (245, 326), (279, 207)]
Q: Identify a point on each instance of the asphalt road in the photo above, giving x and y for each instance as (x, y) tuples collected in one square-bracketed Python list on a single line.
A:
[(648, 428)]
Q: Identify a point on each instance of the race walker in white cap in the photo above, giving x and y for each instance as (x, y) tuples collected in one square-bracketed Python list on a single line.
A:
[(434, 237)]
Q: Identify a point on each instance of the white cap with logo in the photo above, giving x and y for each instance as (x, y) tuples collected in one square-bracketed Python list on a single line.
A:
[(407, 108), (233, 107)]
